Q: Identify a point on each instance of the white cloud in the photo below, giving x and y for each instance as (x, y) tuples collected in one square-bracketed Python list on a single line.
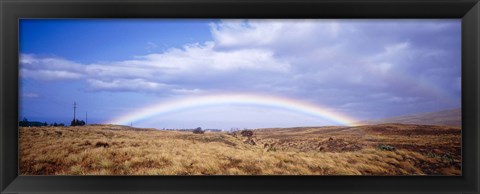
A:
[(126, 85), (150, 72), (50, 74), (188, 91), (125, 69), (268, 33), (195, 57), (34, 62)]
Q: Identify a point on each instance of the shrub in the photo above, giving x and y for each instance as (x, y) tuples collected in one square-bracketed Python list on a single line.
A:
[(198, 130), (77, 122), (102, 144), (247, 133), (23, 123)]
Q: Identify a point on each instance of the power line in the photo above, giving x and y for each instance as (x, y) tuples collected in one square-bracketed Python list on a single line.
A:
[(74, 109)]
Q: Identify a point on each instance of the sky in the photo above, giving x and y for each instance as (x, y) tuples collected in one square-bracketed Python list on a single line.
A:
[(223, 74)]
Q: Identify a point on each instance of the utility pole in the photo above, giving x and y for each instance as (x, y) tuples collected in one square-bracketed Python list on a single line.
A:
[(74, 110), (86, 118)]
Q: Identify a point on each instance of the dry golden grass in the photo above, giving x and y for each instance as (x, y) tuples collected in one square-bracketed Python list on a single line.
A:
[(117, 150)]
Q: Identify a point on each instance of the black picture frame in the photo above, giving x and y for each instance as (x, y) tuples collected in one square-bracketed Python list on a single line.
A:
[(12, 10)]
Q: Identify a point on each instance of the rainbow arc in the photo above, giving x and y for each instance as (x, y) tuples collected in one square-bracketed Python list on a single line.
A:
[(166, 107)]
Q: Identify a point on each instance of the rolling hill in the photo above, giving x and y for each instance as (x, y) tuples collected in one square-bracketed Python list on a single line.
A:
[(452, 117)]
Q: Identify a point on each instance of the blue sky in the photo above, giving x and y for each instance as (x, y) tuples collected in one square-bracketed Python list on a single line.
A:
[(365, 69)]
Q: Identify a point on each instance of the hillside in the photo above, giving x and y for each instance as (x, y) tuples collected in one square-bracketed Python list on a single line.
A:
[(451, 117), (387, 149)]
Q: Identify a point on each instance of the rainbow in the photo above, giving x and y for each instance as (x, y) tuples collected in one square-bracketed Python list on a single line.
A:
[(165, 107)]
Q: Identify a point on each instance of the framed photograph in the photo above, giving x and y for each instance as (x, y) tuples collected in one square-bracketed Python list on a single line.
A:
[(240, 96)]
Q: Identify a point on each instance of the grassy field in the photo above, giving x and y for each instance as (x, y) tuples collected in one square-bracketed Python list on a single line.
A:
[(385, 149)]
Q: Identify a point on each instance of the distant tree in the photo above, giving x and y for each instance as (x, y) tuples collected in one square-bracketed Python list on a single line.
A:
[(77, 122), (23, 123), (246, 133), (61, 124), (27, 123), (198, 130)]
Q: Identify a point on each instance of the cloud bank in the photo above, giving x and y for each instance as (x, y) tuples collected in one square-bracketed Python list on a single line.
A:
[(360, 67)]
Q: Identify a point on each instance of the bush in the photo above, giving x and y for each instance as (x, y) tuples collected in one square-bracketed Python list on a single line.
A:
[(247, 133), (198, 130), (23, 123), (77, 122), (26, 123), (386, 147), (102, 144)]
